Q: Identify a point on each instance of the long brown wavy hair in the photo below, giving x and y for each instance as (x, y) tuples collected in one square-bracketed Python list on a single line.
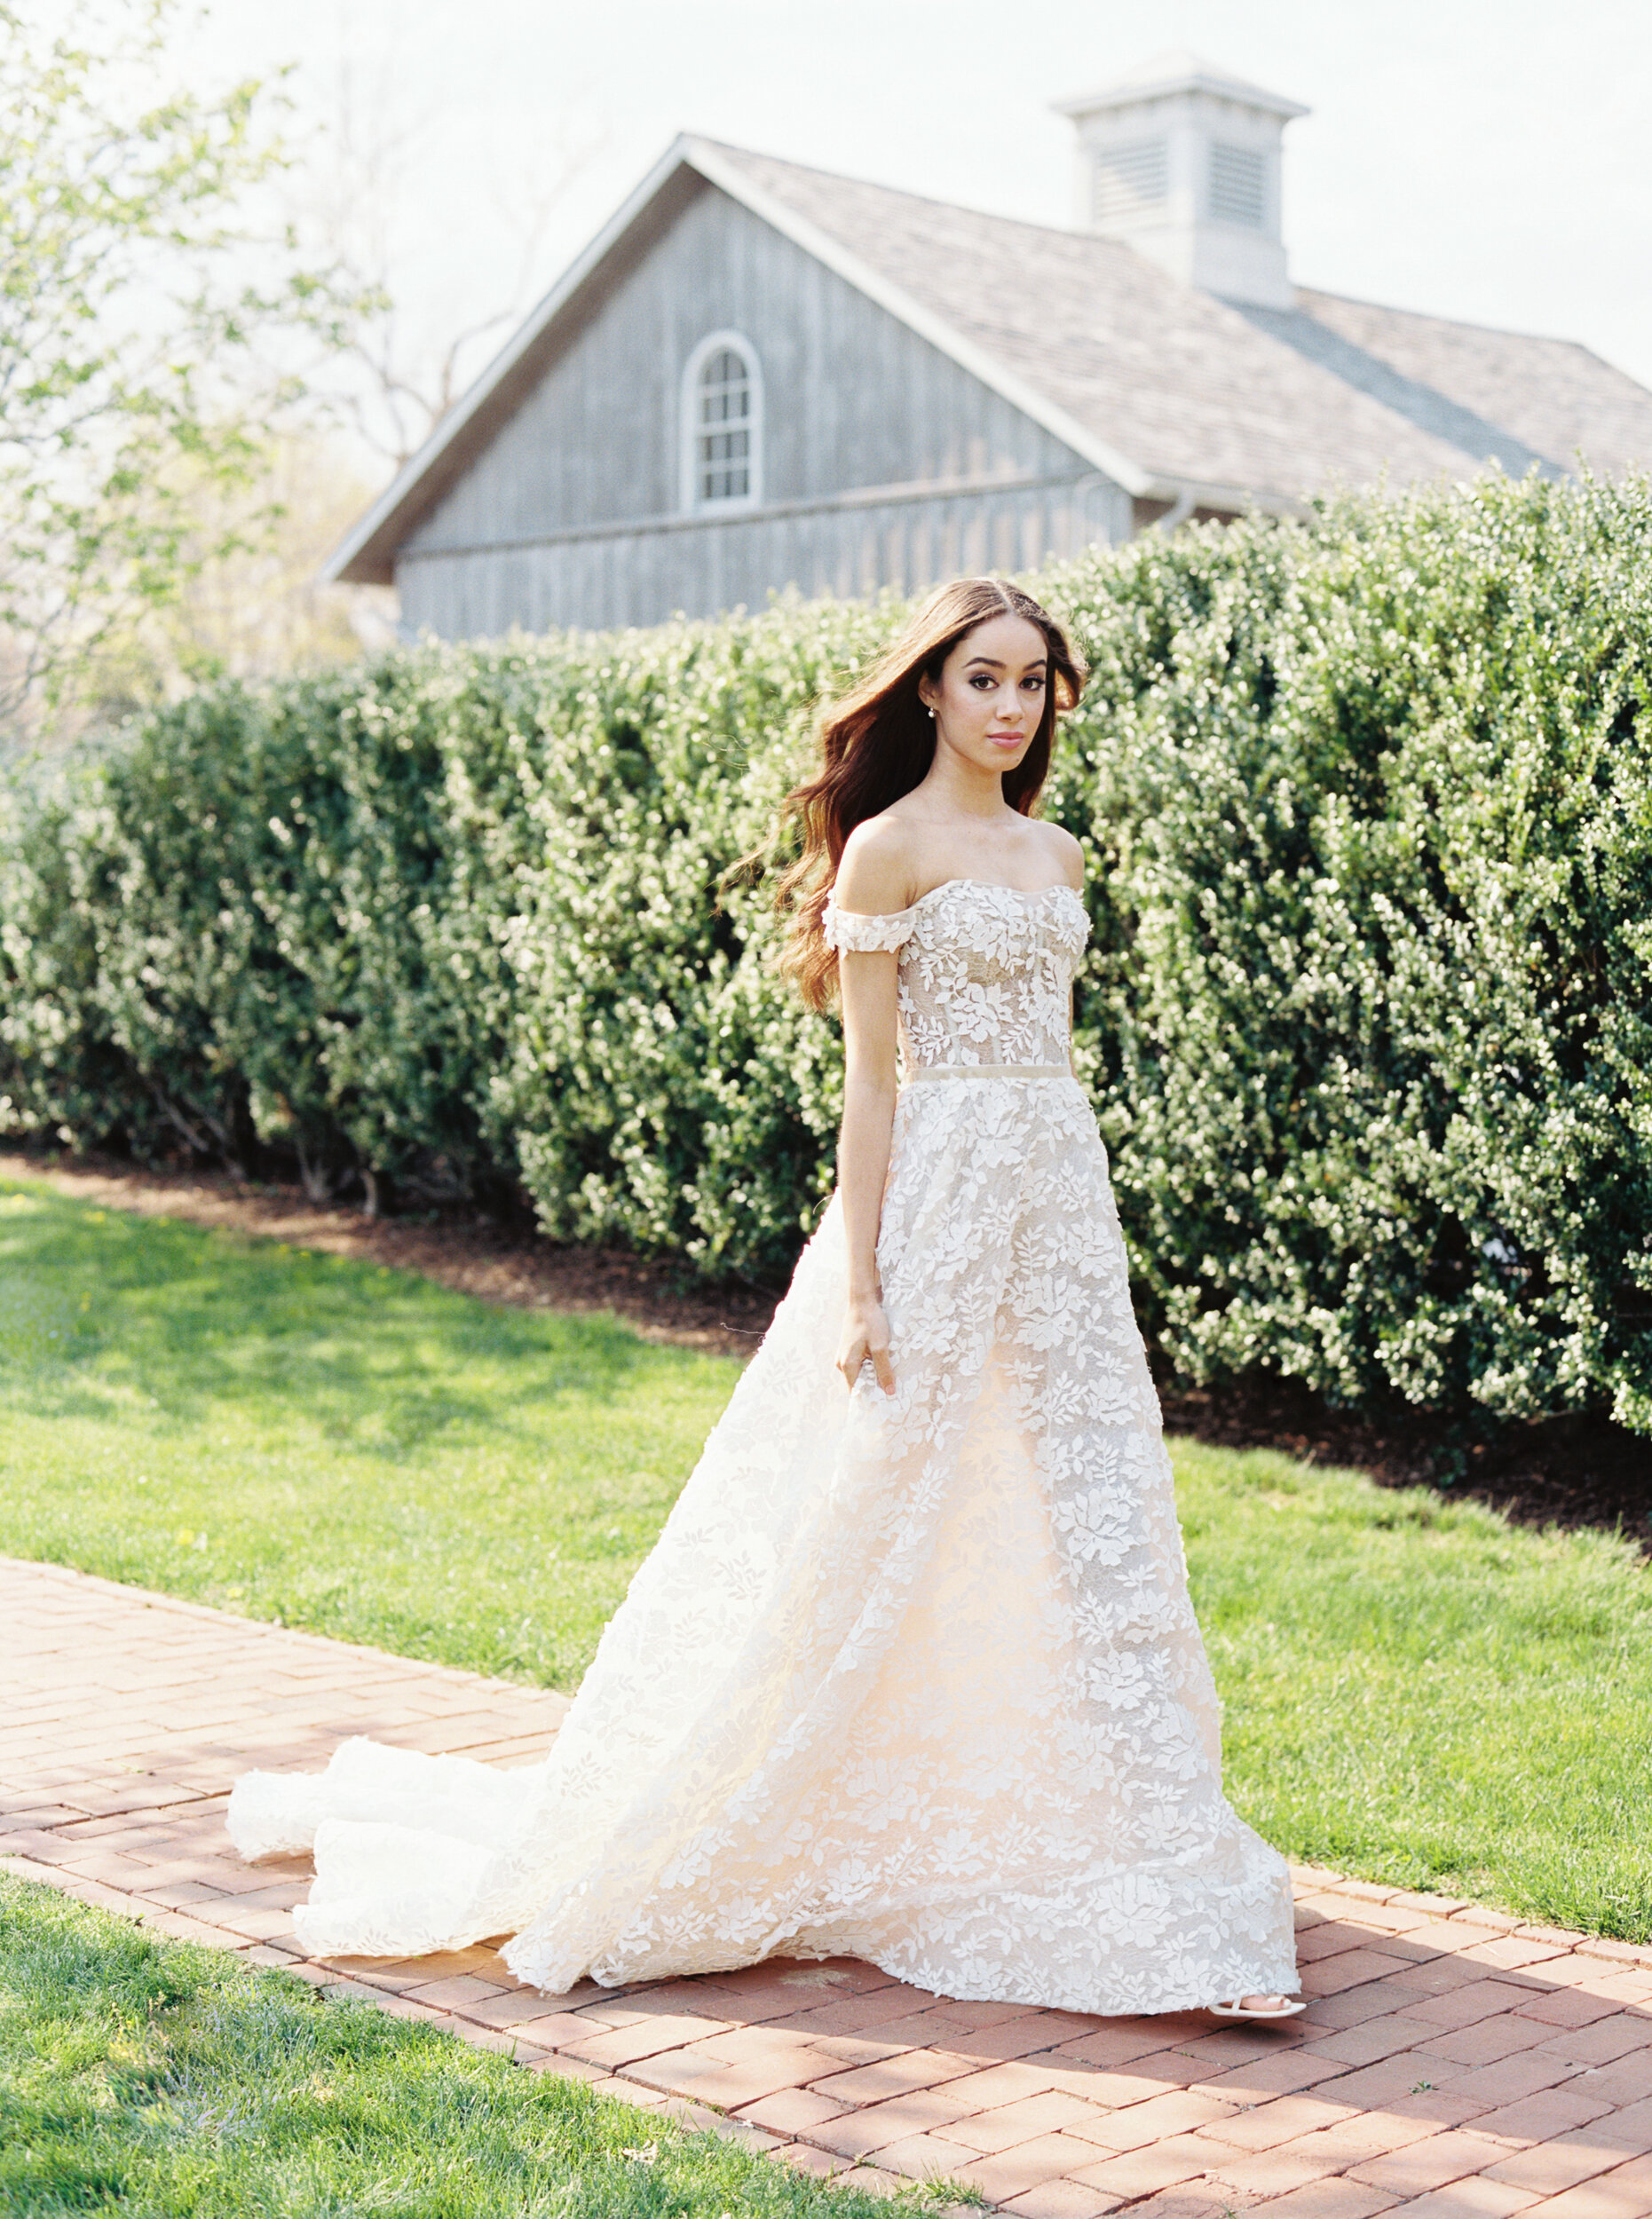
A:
[(878, 742)]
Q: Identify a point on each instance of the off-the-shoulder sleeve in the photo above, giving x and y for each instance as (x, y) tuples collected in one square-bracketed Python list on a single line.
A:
[(850, 932)]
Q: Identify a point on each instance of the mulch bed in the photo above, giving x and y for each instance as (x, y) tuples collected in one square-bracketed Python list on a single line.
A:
[(1568, 1472)]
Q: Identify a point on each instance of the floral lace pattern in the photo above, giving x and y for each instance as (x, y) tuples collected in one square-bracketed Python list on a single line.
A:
[(912, 1678), (1002, 998)]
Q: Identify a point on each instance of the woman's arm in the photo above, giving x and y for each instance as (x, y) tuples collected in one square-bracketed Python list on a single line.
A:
[(873, 882)]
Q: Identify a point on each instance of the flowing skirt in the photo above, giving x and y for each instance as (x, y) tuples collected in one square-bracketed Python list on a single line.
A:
[(910, 1677)]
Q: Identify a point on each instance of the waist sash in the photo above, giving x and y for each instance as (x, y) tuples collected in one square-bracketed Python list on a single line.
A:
[(990, 1070)]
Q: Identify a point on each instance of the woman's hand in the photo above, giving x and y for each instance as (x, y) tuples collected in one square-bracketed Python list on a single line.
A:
[(866, 1334)]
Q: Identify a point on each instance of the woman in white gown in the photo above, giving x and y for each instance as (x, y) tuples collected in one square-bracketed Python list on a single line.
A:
[(912, 1674)]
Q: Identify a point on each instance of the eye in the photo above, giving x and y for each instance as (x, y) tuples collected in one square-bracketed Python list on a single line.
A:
[(983, 679), (1035, 684)]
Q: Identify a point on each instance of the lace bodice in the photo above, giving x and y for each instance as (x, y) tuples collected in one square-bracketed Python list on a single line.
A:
[(985, 971)]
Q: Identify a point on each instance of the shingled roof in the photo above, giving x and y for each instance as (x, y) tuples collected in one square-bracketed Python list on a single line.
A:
[(1173, 393), (1274, 404), (1554, 395)]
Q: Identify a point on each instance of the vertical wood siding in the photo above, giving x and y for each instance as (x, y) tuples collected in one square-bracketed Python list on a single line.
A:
[(570, 517)]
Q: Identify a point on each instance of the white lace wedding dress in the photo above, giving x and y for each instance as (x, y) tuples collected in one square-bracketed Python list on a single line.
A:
[(912, 1679)]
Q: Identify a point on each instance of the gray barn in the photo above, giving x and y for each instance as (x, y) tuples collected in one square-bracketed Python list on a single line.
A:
[(761, 376)]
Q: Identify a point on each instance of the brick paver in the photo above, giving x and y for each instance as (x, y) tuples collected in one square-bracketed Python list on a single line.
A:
[(1453, 2063)]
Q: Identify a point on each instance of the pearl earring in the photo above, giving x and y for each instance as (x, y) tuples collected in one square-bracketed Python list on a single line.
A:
[(931, 716)]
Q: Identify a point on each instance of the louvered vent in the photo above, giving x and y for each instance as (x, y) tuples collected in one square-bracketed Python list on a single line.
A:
[(1127, 179), (1238, 184)]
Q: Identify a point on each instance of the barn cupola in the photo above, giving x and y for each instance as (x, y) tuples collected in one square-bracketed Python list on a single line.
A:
[(1182, 161)]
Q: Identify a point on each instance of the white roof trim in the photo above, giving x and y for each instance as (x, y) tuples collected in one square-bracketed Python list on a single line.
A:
[(729, 178), (1158, 83), (475, 399)]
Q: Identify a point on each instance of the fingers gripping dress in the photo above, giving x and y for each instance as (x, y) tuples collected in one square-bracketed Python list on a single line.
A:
[(914, 1678)]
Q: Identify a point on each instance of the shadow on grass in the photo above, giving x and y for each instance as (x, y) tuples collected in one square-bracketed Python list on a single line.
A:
[(93, 1303), (143, 2074)]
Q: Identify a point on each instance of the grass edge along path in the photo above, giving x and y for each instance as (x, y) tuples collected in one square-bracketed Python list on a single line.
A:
[(160, 2077), (1418, 1694)]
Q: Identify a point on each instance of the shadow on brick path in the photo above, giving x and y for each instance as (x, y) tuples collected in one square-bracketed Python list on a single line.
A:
[(1453, 2063)]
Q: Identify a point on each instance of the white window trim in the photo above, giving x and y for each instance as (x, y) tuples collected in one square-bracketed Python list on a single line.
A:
[(690, 426)]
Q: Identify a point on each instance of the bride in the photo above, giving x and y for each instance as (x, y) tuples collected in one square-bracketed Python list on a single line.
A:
[(912, 1674)]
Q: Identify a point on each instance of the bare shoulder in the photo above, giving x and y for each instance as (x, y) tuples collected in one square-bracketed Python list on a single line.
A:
[(1065, 853), (875, 876)]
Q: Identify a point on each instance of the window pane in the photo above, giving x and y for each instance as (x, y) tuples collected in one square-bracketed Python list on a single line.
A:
[(724, 439)]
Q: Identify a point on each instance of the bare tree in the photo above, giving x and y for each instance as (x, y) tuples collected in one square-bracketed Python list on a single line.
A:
[(392, 384)]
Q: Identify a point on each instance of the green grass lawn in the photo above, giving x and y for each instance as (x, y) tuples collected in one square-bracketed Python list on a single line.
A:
[(340, 1447), (169, 2082), (1415, 1691)]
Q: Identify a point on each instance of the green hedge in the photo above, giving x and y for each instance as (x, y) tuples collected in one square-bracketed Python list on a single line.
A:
[(1368, 1013)]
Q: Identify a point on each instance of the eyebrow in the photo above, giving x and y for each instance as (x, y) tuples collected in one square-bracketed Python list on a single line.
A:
[(991, 662)]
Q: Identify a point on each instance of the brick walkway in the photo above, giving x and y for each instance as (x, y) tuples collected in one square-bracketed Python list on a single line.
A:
[(1453, 2065)]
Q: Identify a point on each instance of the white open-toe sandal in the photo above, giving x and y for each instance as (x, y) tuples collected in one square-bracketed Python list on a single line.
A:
[(1283, 2008)]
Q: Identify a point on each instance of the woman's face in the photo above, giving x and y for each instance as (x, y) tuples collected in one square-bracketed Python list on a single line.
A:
[(989, 698)]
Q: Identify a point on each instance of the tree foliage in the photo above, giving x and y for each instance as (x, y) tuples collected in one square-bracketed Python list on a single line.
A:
[(1365, 1015), (151, 321)]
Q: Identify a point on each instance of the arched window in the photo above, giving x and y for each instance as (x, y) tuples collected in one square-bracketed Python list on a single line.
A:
[(723, 424)]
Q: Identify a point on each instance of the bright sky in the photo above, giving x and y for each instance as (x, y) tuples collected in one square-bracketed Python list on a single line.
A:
[(1484, 159)]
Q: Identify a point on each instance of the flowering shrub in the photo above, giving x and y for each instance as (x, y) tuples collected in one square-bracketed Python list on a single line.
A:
[(1366, 1016)]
